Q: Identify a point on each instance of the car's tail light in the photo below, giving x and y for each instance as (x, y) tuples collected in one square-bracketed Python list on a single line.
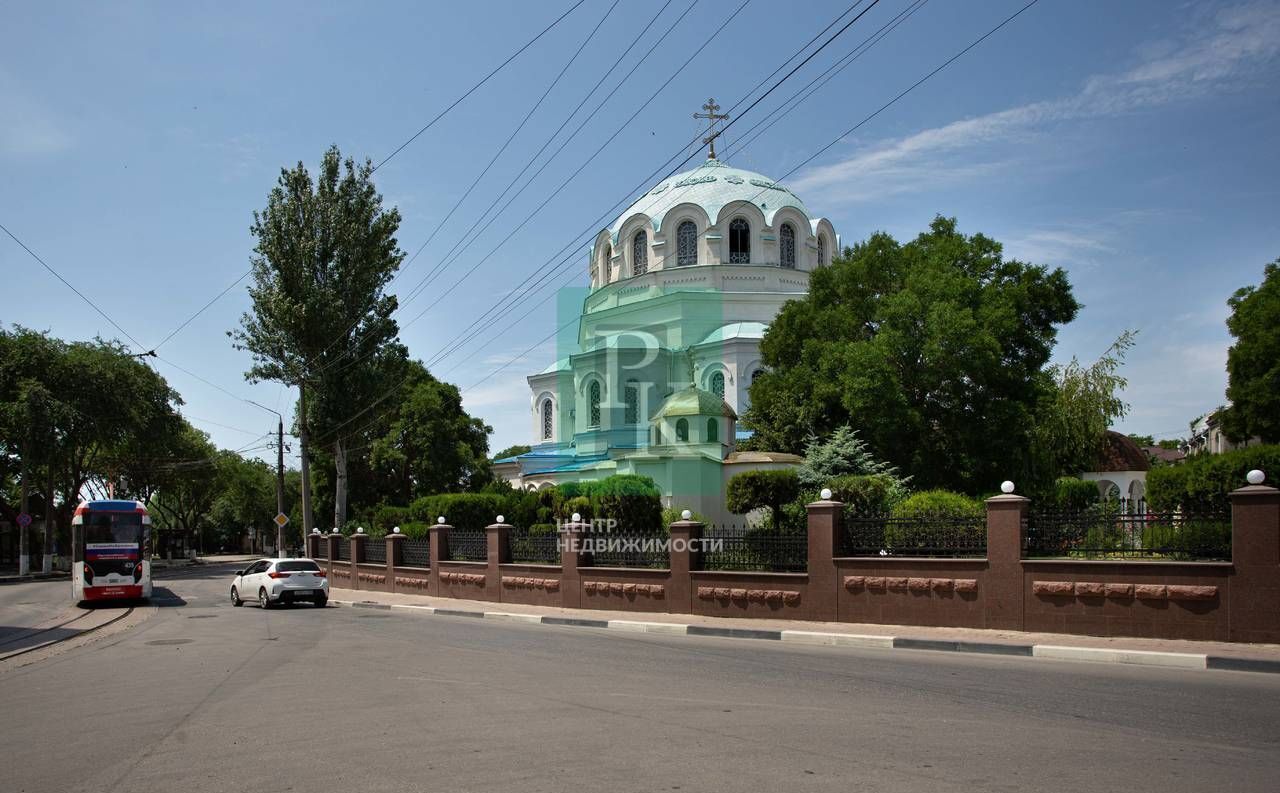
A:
[(277, 574), (319, 574), (137, 572), (88, 573)]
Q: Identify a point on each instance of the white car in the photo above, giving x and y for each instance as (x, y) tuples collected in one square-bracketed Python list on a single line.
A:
[(271, 581)]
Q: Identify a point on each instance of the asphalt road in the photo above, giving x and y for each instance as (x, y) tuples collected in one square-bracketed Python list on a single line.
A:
[(202, 696)]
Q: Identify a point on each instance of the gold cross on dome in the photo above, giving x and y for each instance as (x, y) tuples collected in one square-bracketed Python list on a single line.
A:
[(712, 117)]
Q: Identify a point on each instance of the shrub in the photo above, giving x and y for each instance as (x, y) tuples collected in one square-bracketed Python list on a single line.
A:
[(752, 490), (461, 510), (1070, 493), (875, 493), (934, 519), (1203, 482), (386, 516), (578, 504), (415, 529), (633, 501), (842, 454), (672, 514)]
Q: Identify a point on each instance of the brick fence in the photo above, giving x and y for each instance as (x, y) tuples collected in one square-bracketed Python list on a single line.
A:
[(1235, 601)]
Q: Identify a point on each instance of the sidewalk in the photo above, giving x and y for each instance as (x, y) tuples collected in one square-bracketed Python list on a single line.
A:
[(1148, 652), (11, 577)]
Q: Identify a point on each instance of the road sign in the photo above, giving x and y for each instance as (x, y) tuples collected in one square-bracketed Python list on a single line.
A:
[(24, 520), (281, 520)]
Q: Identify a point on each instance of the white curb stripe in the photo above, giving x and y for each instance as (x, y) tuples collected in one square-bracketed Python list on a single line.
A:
[(838, 639), (422, 609), (669, 628), (1110, 656), (508, 616)]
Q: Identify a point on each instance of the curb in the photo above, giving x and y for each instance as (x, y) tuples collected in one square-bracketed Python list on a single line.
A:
[(1049, 652)]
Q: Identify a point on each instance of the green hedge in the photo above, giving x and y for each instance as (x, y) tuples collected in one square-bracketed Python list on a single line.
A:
[(868, 494), (1070, 493), (768, 489), (461, 510), (961, 521), (1202, 482)]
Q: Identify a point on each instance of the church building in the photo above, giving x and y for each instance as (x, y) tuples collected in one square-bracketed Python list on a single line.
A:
[(683, 285)]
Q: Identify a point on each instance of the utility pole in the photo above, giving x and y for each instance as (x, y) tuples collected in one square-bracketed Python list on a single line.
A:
[(305, 442), (279, 483), (24, 551)]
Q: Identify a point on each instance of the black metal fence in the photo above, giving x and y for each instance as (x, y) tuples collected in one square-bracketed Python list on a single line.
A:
[(417, 553), (1102, 532), (344, 549), (741, 547), (375, 550), (633, 549), (538, 545), (322, 548), (946, 535), (468, 545)]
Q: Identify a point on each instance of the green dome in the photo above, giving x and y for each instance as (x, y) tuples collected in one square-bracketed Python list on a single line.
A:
[(712, 186), (694, 402)]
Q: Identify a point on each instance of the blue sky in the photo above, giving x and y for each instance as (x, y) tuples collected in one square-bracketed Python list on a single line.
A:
[(1133, 144)]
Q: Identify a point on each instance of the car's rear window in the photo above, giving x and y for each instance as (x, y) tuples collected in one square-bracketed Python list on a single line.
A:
[(296, 567)]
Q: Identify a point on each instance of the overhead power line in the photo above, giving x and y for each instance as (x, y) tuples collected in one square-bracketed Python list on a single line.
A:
[(203, 308), (475, 87), (824, 148)]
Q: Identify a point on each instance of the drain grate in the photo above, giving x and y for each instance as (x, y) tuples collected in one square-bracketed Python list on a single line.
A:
[(202, 616)]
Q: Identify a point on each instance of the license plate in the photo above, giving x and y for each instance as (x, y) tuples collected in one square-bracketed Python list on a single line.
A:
[(301, 591)]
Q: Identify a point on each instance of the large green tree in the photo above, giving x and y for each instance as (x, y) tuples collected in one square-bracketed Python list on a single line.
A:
[(326, 250), (1253, 362), (935, 350)]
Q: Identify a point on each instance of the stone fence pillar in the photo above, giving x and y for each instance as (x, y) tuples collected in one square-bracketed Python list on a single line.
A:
[(313, 544), (497, 552), (332, 540), (824, 544), (357, 556), (686, 556), (1254, 605), (395, 554), (1006, 522), (439, 552), (570, 537)]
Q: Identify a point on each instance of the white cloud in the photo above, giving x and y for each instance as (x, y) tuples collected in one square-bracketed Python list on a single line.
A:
[(1240, 39), (28, 129)]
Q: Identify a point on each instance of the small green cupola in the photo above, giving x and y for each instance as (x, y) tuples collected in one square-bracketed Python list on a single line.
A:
[(693, 417)]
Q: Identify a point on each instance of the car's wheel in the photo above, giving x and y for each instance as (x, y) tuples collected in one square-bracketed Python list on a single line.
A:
[(235, 598), (322, 601), (263, 599)]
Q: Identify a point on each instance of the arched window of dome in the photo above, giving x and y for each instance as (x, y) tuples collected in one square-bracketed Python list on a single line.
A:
[(639, 253), (631, 397), (548, 418), (608, 263), (756, 374), (787, 246), (682, 431), (713, 431), (822, 250), (686, 243), (717, 384), (593, 403), (739, 241), (657, 435)]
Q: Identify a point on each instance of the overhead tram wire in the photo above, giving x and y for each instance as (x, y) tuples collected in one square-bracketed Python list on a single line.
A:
[(427, 279), (716, 32), (695, 138), (467, 193), (448, 348), (204, 308), (819, 152), (470, 235), (475, 87), (334, 431), (137, 344)]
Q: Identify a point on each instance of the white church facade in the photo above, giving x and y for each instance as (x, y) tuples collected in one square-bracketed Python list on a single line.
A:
[(683, 286)]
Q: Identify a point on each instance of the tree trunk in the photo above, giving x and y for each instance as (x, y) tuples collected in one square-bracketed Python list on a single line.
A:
[(339, 483), (46, 565), (304, 442), (24, 552)]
